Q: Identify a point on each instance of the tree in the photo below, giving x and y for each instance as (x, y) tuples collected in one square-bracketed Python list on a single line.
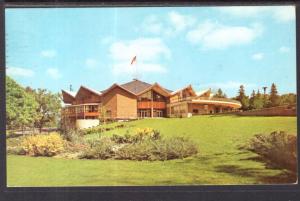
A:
[(103, 116), (220, 94), (20, 106), (243, 98), (274, 98), (258, 101), (48, 110), (251, 100), (288, 99)]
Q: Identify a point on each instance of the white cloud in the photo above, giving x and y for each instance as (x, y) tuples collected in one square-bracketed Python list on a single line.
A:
[(152, 25), (19, 72), (212, 35), (53, 73), (284, 49), (149, 52), (48, 53), (167, 26), (258, 56), (284, 14), (91, 63), (278, 13), (180, 22)]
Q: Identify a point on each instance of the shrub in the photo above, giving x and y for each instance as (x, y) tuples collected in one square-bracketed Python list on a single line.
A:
[(99, 149), (140, 135), (161, 149), (73, 136), (277, 147), (43, 145)]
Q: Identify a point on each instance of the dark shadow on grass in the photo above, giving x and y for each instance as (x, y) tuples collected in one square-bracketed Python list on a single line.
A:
[(285, 177), (237, 171)]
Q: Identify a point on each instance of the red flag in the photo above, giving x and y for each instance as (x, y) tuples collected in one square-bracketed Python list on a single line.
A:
[(133, 60)]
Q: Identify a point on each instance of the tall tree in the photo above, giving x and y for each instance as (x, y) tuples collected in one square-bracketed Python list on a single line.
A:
[(274, 98), (251, 100), (48, 110), (243, 98), (220, 94), (258, 101), (20, 106)]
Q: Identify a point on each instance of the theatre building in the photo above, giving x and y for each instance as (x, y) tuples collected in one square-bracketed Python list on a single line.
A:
[(137, 99)]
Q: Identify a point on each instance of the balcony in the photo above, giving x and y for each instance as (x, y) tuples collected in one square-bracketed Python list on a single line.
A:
[(80, 111), (150, 104)]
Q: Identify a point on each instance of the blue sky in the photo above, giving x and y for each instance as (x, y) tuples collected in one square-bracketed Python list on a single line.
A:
[(208, 47)]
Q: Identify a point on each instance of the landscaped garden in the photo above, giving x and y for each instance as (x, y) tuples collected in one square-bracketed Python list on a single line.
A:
[(208, 150)]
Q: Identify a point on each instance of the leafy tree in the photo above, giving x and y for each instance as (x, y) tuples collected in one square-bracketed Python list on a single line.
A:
[(20, 106), (243, 98), (48, 110), (220, 94), (288, 99), (274, 98)]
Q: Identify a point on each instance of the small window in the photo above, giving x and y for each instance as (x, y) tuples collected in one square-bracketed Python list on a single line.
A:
[(195, 111)]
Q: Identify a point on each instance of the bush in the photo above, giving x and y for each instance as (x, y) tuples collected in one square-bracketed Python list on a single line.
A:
[(99, 149), (73, 136), (162, 149), (43, 145), (279, 148), (140, 135)]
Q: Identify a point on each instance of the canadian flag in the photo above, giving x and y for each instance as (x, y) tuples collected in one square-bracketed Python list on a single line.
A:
[(133, 60)]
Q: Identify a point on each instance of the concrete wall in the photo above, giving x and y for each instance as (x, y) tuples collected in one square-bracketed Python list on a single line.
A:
[(86, 123)]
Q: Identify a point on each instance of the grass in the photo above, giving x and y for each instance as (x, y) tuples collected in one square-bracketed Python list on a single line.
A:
[(219, 161)]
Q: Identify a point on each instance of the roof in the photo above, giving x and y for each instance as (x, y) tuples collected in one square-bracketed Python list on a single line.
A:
[(91, 90), (71, 93), (136, 86), (187, 87), (199, 93)]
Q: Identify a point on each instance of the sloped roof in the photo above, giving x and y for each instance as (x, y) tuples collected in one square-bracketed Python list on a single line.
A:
[(89, 89), (187, 87), (136, 86), (199, 93), (71, 93)]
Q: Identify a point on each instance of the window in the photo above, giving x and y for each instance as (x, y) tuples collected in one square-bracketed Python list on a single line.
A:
[(195, 111)]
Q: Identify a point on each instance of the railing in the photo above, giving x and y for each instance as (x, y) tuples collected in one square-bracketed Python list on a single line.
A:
[(218, 99), (149, 104), (80, 111)]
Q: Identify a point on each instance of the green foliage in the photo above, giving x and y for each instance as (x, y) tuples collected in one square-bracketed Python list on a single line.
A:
[(274, 97), (161, 149), (278, 147), (220, 94), (243, 98), (49, 105), (145, 144), (288, 99), (20, 106), (99, 149)]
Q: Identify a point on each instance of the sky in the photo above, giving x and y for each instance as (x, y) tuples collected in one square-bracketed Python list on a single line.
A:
[(208, 47)]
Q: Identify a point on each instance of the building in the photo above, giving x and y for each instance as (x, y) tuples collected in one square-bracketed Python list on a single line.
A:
[(137, 99)]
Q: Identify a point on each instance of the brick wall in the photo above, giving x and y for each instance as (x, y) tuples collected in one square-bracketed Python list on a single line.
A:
[(126, 105), (274, 111)]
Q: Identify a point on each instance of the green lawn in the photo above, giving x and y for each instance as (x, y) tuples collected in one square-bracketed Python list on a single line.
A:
[(219, 161)]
